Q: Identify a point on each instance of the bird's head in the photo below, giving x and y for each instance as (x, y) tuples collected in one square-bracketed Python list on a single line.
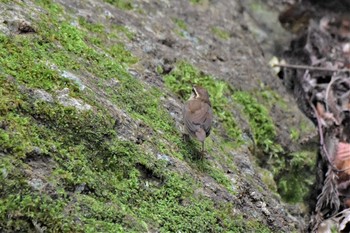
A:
[(200, 93)]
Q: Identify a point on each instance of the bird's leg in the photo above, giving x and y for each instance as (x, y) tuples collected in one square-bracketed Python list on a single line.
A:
[(202, 152), (185, 137)]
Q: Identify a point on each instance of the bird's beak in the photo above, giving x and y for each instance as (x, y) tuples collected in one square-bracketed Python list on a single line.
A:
[(194, 91)]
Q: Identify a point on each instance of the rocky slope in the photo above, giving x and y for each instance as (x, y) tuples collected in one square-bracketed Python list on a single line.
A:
[(91, 126)]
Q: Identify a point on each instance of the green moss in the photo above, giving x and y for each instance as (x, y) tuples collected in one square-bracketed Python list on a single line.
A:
[(24, 59), (289, 170), (78, 51), (268, 179), (180, 81), (63, 44), (245, 225), (198, 1), (260, 122), (87, 154), (22, 208), (103, 36), (121, 4), (306, 126), (56, 131), (294, 134), (122, 29), (220, 33), (143, 103), (54, 8), (181, 27), (221, 179), (256, 226), (180, 23), (298, 176), (272, 98)]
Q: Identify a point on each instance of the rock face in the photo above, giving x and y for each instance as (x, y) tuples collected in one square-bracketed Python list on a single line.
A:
[(91, 124)]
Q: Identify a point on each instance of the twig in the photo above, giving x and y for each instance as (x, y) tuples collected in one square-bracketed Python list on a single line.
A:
[(322, 143), (328, 90), (303, 67)]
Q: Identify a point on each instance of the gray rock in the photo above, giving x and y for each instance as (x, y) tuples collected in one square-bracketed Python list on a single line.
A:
[(64, 99)]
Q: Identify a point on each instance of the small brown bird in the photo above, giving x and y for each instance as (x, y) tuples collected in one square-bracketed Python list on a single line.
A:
[(198, 114)]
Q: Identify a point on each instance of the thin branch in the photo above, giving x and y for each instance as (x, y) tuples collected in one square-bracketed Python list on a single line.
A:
[(303, 67), (328, 90)]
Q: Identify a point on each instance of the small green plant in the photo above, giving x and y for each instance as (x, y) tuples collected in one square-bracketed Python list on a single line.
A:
[(180, 23), (294, 134), (197, 1), (220, 33), (124, 30), (272, 97), (181, 27), (99, 35), (121, 4)]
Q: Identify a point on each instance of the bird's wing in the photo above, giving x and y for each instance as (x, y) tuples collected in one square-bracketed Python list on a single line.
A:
[(187, 116), (208, 120), (200, 116)]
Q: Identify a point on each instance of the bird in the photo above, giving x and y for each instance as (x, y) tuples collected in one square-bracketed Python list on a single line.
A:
[(198, 114)]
